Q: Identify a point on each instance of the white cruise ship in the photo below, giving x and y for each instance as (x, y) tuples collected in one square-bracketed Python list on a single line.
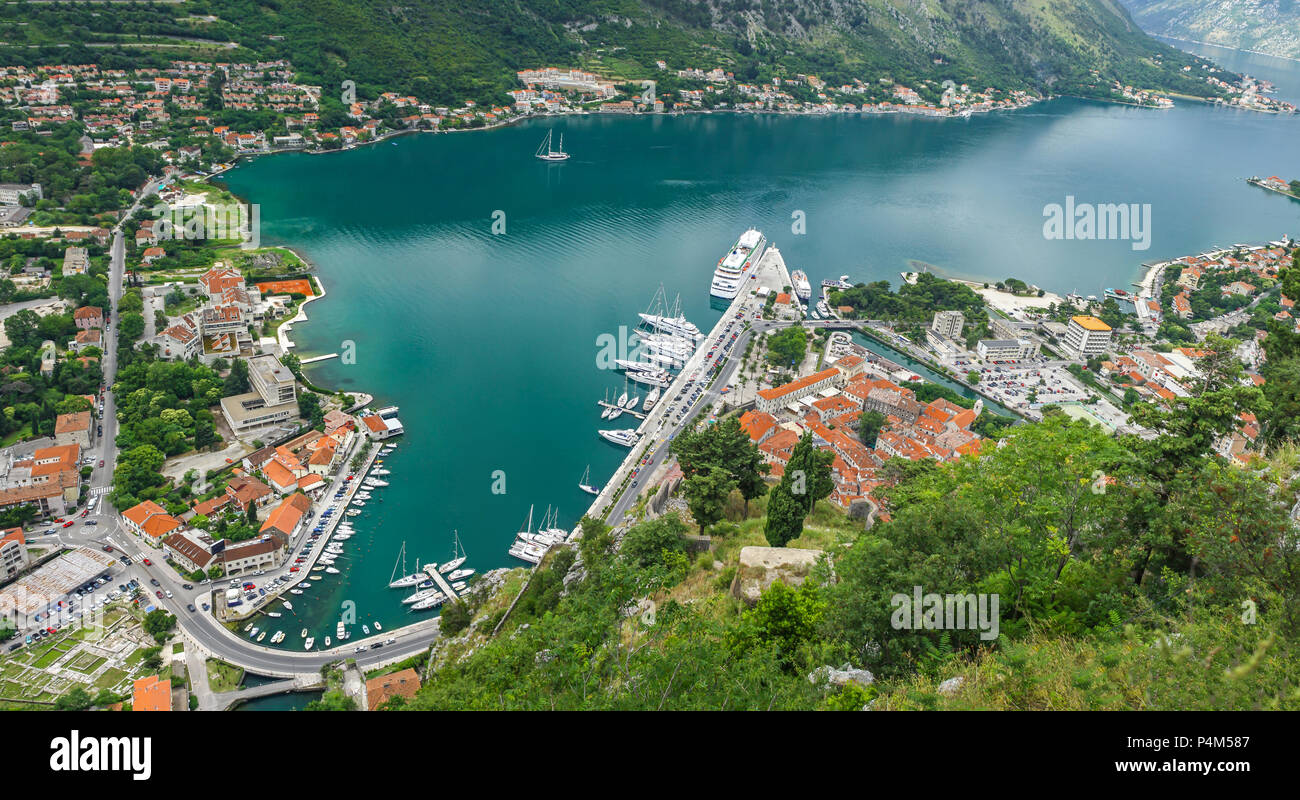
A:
[(732, 267)]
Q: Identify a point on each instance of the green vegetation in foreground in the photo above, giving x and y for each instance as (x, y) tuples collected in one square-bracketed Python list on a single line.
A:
[(1172, 586)]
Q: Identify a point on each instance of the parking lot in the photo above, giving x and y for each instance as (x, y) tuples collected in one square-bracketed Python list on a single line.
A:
[(1012, 384)]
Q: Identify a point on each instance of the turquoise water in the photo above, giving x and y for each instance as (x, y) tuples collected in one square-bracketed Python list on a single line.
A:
[(488, 342), (292, 701)]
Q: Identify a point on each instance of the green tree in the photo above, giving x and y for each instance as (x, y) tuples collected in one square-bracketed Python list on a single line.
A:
[(706, 495), (869, 426)]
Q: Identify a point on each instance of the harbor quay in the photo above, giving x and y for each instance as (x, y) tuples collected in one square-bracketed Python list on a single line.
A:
[(676, 409)]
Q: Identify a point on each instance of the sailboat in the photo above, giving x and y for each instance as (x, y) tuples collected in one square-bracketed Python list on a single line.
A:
[(457, 556), (545, 153), (606, 410), (407, 579), (585, 483), (622, 398)]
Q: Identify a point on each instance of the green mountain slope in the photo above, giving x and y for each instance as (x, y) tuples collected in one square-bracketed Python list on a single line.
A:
[(454, 51), (1266, 26)]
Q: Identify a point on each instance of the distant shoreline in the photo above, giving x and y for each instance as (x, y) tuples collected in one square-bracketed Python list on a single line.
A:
[(1225, 47)]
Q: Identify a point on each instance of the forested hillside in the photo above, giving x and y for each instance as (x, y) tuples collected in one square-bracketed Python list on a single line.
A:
[(448, 51)]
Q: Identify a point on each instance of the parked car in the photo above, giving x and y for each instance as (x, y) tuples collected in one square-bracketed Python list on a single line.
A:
[(108, 548), (158, 594)]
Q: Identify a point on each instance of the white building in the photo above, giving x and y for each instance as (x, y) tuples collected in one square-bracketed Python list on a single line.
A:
[(1087, 335)]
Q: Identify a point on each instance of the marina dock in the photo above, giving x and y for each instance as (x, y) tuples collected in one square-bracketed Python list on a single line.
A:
[(637, 414), (443, 585)]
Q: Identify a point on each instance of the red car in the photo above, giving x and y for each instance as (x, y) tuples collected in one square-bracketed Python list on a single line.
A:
[(148, 563), (84, 512), (101, 462), (50, 631), (108, 549), (158, 594), (68, 524), (293, 569)]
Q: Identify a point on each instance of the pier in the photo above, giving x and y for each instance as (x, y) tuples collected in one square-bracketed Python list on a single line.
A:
[(657, 428), (443, 585), (314, 359), (637, 414)]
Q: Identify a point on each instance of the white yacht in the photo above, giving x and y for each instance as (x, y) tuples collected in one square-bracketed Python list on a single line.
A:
[(677, 326), (307, 644), (732, 268), (650, 401), (585, 483), (626, 437), (408, 579), (459, 574), (545, 153), (527, 552), (424, 594), (659, 380), (437, 599), (802, 288), (457, 556)]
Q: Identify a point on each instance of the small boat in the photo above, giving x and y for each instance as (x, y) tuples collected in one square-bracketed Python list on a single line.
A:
[(288, 605), (261, 636), (278, 637), (584, 484), (331, 571), (460, 573), (295, 591), (378, 627), (307, 644), (380, 472), (365, 629), (273, 613), (354, 512), (459, 586), (248, 627), (327, 641), (626, 437), (304, 585), (304, 633)]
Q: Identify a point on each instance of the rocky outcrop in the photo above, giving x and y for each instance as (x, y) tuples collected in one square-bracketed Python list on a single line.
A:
[(760, 567)]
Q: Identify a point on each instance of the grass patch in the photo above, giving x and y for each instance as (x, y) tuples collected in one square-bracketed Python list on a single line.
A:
[(111, 677), (223, 677)]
